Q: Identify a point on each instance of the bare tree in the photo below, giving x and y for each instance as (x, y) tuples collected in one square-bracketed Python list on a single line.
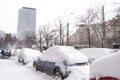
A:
[(46, 36), (8, 41), (88, 20), (40, 39), (29, 42), (60, 27)]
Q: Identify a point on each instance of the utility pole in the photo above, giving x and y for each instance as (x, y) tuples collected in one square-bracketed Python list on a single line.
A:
[(67, 33), (103, 28), (60, 32), (89, 40), (68, 30)]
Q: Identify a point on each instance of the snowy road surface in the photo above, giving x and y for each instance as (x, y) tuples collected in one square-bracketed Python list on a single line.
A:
[(12, 70)]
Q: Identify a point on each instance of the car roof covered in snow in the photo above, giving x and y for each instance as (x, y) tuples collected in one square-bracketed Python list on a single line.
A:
[(60, 53), (106, 66), (30, 52), (96, 52)]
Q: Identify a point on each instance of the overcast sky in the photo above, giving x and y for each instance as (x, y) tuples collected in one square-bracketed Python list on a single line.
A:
[(47, 10)]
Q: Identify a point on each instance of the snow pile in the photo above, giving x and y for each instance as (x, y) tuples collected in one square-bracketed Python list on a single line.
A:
[(78, 73), (106, 66), (29, 54), (60, 53)]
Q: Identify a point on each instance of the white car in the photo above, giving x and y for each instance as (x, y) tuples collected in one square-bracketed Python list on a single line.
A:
[(106, 68), (95, 53), (26, 55)]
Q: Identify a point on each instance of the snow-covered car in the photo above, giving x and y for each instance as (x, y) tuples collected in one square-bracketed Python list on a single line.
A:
[(95, 53), (63, 61), (26, 55), (106, 68)]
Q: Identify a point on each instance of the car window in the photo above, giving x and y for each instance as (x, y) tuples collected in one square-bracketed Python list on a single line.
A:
[(46, 63)]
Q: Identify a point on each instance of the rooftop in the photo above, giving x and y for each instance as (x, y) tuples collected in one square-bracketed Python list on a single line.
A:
[(28, 8)]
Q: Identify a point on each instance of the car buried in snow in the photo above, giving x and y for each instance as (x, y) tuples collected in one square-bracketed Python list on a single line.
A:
[(106, 68), (63, 61), (95, 53), (27, 55)]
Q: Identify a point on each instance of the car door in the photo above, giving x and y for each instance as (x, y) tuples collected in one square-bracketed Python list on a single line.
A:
[(40, 65), (49, 67)]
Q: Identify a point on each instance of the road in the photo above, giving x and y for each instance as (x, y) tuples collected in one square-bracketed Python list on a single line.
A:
[(12, 70)]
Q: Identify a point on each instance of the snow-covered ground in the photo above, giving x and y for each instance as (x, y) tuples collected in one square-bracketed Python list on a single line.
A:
[(12, 70)]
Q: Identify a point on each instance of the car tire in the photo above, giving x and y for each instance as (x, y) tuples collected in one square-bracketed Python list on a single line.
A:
[(23, 62), (9, 55), (35, 66), (58, 75), (19, 60)]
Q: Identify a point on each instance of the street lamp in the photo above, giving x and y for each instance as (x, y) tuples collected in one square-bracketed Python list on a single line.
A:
[(68, 30)]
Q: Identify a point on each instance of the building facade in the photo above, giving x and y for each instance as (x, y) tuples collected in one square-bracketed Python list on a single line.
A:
[(26, 23), (80, 37)]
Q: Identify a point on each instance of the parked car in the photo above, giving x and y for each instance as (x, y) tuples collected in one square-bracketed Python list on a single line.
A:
[(61, 61), (116, 47), (95, 53), (26, 55), (6, 52), (106, 68)]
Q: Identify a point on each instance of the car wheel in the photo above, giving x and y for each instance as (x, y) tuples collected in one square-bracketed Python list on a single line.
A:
[(57, 74), (35, 66), (23, 62), (19, 60), (10, 55)]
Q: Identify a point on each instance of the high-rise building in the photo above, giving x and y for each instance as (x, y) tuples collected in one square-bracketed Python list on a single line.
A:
[(26, 23)]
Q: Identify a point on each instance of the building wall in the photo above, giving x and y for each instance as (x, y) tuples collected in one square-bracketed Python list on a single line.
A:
[(80, 37), (26, 23), (95, 35)]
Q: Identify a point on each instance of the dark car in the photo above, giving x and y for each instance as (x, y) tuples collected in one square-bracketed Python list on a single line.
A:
[(59, 60), (6, 52), (50, 68)]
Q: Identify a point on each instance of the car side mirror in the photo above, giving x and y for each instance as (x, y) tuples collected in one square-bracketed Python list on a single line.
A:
[(65, 63), (38, 58)]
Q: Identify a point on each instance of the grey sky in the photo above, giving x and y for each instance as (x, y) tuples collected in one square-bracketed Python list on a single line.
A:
[(47, 10)]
